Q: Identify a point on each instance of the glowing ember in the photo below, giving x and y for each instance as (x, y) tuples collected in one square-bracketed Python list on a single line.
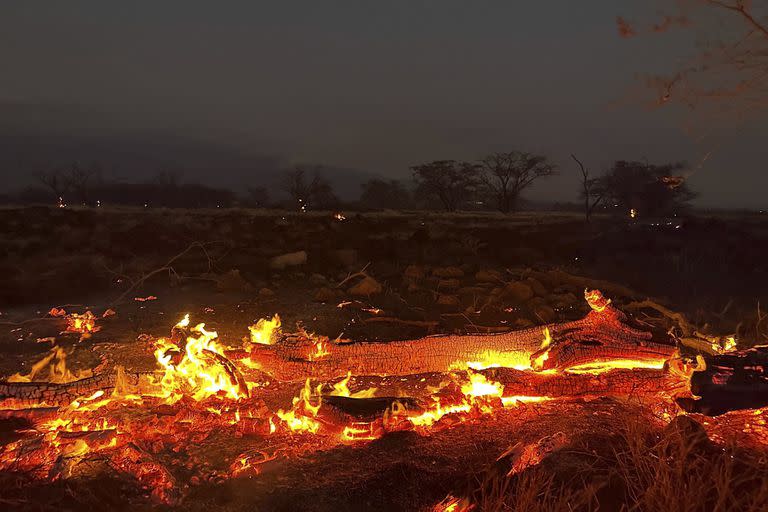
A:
[(598, 367), (493, 359)]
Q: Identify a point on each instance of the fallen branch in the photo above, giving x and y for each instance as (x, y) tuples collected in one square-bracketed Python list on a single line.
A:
[(168, 267)]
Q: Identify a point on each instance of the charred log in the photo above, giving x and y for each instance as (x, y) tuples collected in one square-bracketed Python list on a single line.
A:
[(20, 395), (732, 381)]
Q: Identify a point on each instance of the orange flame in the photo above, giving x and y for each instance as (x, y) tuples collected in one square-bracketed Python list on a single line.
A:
[(265, 331)]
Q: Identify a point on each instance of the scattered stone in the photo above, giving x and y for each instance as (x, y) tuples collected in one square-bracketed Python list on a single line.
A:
[(325, 294), (448, 284), (488, 276), (266, 293), (414, 272), (563, 300), (365, 288), (518, 292), (472, 290), (317, 280), (541, 310), (291, 259), (522, 323), (448, 272), (538, 288), (542, 277), (233, 281), (448, 300)]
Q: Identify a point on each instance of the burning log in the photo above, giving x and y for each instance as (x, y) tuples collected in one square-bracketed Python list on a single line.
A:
[(731, 381), (602, 336), (21, 395), (617, 382)]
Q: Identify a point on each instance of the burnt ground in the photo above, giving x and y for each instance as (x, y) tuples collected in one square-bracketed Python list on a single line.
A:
[(431, 273)]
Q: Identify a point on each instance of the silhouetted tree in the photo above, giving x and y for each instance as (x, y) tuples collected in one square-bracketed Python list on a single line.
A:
[(592, 190), (309, 192), (79, 180), (506, 175), (449, 181), (258, 197), (727, 76), (650, 190), (55, 182), (385, 194), (168, 178)]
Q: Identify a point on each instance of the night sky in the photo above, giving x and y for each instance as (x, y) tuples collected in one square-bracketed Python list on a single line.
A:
[(374, 86)]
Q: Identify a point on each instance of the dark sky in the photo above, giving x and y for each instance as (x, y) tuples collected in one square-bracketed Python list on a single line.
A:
[(371, 85)]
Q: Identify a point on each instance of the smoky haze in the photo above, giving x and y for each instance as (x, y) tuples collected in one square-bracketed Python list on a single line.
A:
[(231, 92)]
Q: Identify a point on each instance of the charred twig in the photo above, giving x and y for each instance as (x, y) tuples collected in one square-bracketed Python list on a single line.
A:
[(685, 326), (361, 273), (168, 267)]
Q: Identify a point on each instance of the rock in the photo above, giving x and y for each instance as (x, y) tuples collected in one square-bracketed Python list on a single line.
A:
[(365, 288), (518, 292), (448, 300), (317, 280), (488, 276), (541, 310), (414, 272), (542, 277), (563, 300), (291, 259), (472, 290), (325, 295), (522, 323), (448, 284), (266, 293), (233, 281), (538, 288), (346, 257), (448, 272)]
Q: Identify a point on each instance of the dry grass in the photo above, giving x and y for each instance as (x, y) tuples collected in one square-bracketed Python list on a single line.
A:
[(639, 470)]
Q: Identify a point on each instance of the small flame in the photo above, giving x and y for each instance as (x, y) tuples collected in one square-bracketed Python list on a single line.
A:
[(197, 372), (264, 332), (341, 389), (301, 417), (538, 361), (320, 350)]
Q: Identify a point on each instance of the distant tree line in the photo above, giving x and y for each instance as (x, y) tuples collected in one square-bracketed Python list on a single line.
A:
[(636, 188), (494, 182)]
